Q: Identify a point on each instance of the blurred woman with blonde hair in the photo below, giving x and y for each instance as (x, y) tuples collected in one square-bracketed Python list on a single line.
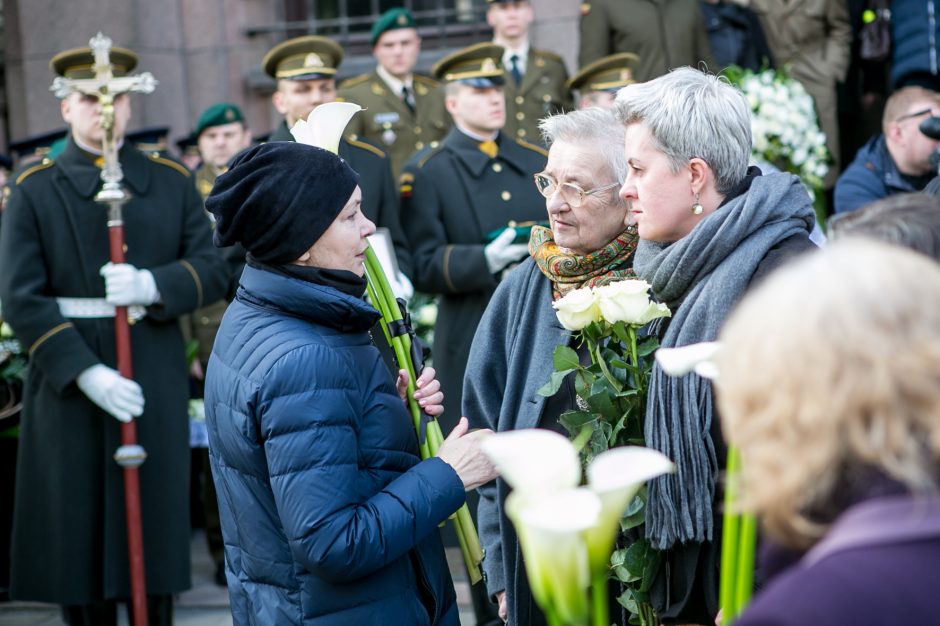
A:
[(829, 387)]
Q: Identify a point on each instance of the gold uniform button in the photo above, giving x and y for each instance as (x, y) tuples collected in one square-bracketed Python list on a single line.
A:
[(434, 144), (125, 248), (204, 320), (387, 125), (546, 98), (497, 167), (505, 196), (419, 145), (520, 116), (417, 130), (521, 132), (519, 99)]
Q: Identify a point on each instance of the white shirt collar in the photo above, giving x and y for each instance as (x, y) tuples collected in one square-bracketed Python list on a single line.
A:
[(475, 136), (393, 83), (522, 52)]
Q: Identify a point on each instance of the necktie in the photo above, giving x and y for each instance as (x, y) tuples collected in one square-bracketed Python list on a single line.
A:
[(489, 148), (408, 98), (514, 69)]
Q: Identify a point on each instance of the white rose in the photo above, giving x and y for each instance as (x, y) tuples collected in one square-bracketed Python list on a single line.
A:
[(628, 301), (577, 309)]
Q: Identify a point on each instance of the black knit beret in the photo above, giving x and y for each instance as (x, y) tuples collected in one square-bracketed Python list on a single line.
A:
[(278, 198)]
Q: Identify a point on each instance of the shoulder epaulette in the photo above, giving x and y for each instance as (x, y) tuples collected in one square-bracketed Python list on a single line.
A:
[(32, 170), (176, 166), (531, 146), (547, 55), (431, 152), (426, 80), (355, 80), (365, 146)]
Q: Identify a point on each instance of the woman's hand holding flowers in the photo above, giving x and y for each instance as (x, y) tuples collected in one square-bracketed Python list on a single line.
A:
[(428, 392), (462, 451)]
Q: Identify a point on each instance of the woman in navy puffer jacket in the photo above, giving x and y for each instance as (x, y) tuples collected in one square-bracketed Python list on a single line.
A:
[(328, 513)]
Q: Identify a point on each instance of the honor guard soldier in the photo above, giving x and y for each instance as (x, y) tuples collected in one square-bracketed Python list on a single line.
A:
[(305, 70), (220, 133), (457, 195), (27, 152), (535, 79), (665, 34), (152, 140), (189, 152), (597, 83), (59, 294), (404, 111), (31, 150)]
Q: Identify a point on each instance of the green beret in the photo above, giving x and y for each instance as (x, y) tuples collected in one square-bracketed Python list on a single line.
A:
[(218, 115), (80, 62), (303, 58), (608, 73), (390, 20), (479, 65)]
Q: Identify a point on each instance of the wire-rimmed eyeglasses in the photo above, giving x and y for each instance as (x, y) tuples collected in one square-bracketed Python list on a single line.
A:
[(572, 194)]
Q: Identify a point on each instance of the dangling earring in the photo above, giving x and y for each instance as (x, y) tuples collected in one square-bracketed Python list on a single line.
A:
[(697, 208)]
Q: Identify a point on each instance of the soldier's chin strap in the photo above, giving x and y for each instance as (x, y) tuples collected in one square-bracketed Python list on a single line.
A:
[(419, 353)]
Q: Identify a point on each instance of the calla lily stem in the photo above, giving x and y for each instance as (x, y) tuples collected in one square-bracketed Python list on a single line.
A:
[(383, 299)]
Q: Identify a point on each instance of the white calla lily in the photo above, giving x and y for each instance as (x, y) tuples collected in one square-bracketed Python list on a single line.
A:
[(552, 535), (697, 357), (325, 125), (534, 460), (616, 476)]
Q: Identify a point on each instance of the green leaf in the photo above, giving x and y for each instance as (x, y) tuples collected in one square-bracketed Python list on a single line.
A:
[(627, 600), (574, 421), (565, 359), (554, 384), (583, 382), (635, 514), (647, 347)]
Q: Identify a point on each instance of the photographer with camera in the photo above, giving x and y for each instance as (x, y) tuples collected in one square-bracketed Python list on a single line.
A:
[(897, 160)]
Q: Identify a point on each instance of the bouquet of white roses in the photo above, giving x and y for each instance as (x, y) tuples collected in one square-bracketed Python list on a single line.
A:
[(611, 399), (784, 126)]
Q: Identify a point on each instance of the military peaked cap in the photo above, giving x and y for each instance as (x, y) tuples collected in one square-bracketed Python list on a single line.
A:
[(479, 65), (303, 58), (609, 73), (80, 62)]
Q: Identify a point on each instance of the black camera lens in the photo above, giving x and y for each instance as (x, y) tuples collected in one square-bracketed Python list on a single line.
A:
[(931, 127)]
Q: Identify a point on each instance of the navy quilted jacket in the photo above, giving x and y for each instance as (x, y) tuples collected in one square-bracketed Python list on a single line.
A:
[(329, 515)]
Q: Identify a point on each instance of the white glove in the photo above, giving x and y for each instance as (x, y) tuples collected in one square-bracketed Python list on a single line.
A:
[(119, 396), (125, 285), (502, 251), (401, 286)]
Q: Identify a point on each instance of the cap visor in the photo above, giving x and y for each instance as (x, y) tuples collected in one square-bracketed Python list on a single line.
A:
[(484, 82)]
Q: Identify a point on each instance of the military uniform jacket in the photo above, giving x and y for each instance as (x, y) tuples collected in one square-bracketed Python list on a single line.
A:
[(666, 34), (541, 93), (69, 537), (379, 198), (387, 122), (453, 196)]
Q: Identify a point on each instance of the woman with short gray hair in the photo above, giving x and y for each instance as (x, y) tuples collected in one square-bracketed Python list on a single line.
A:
[(709, 227), (588, 244)]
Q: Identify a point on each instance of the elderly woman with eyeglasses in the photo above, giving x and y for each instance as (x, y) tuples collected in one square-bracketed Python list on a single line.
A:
[(587, 244), (709, 228)]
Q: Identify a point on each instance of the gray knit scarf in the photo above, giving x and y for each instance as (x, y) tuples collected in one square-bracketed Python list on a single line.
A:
[(701, 277)]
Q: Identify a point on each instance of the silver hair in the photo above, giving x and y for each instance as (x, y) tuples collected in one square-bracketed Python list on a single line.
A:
[(693, 114), (595, 127)]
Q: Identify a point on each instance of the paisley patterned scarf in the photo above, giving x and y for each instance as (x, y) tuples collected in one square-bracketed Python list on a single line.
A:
[(569, 271)]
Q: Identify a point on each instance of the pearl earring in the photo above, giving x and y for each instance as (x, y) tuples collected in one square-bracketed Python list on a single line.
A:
[(697, 208)]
